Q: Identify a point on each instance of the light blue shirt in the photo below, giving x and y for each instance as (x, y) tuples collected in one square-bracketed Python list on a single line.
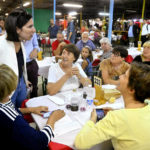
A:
[(130, 32), (89, 43), (30, 45)]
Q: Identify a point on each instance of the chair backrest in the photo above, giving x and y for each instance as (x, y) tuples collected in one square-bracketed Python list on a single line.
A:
[(129, 59), (95, 62)]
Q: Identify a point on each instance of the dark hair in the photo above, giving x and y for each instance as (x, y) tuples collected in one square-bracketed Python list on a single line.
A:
[(90, 57), (139, 80), (2, 18), (120, 51), (73, 49), (17, 18)]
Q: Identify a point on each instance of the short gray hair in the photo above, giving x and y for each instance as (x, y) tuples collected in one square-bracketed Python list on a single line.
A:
[(85, 33), (105, 40)]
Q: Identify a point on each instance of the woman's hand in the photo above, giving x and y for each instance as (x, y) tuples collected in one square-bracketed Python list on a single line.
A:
[(93, 116), (107, 109), (75, 71), (39, 110), (55, 116), (84, 64), (69, 73)]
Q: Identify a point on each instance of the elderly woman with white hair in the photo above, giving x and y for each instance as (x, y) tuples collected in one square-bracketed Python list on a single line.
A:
[(106, 47), (85, 41)]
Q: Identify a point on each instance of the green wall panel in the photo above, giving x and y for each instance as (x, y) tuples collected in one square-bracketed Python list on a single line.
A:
[(41, 19)]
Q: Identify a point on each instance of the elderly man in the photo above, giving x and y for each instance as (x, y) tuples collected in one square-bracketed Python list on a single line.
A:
[(85, 41), (58, 44), (106, 47)]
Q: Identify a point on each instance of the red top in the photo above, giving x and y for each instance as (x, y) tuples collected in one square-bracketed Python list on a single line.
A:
[(56, 43)]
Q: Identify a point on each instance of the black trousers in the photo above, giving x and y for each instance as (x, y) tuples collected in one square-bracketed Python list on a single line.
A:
[(144, 38), (32, 71)]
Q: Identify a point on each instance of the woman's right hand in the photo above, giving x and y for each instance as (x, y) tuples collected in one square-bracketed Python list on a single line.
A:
[(55, 116), (107, 109), (93, 116), (69, 73)]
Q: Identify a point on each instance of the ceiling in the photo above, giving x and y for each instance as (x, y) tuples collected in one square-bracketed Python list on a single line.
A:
[(130, 8)]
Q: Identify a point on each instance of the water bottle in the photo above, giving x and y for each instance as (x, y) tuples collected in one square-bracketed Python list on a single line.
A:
[(83, 104)]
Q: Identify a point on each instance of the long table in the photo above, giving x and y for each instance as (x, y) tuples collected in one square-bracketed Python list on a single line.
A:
[(47, 61), (67, 128)]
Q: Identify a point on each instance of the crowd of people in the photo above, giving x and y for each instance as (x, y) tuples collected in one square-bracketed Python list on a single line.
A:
[(19, 70)]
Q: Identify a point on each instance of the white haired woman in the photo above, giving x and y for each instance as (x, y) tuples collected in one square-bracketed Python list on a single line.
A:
[(106, 47)]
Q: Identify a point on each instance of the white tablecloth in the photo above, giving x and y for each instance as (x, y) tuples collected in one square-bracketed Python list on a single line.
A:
[(44, 66), (134, 52), (95, 54), (67, 128)]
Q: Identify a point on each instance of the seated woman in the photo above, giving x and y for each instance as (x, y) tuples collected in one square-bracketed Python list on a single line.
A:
[(106, 47), (87, 57), (66, 75), (145, 56), (13, 128), (127, 128), (114, 66)]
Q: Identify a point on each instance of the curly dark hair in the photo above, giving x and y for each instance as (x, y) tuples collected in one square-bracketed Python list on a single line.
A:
[(139, 80), (120, 51), (73, 49)]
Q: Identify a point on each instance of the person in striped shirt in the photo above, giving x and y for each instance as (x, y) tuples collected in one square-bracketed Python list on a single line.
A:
[(14, 130)]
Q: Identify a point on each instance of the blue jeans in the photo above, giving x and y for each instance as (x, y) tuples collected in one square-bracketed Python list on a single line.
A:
[(20, 93)]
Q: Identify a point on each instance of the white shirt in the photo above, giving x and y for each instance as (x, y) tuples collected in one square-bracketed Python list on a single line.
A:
[(55, 73), (145, 29)]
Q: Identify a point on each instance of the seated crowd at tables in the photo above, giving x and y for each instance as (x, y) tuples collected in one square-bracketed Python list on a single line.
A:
[(132, 80)]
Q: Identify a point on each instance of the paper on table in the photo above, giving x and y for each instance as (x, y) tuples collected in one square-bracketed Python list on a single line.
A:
[(108, 86), (59, 100), (64, 125), (42, 101), (83, 117)]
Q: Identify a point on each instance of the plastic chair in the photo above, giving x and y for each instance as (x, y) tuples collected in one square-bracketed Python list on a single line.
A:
[(27, 117), (95, 62), (129, 59), (58, 146)]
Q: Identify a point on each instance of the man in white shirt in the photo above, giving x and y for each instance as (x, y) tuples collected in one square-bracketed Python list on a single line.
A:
[(145, 31)]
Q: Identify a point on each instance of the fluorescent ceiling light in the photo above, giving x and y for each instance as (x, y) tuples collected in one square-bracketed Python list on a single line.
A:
[(6, 14), (103, 14), (131, 11), (57, 13), (26, 4), (74, 17), (72, 13), (72, 5)]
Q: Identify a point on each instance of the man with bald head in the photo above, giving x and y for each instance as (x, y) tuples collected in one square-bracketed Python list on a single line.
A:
[(58, 44), (85, 41)]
